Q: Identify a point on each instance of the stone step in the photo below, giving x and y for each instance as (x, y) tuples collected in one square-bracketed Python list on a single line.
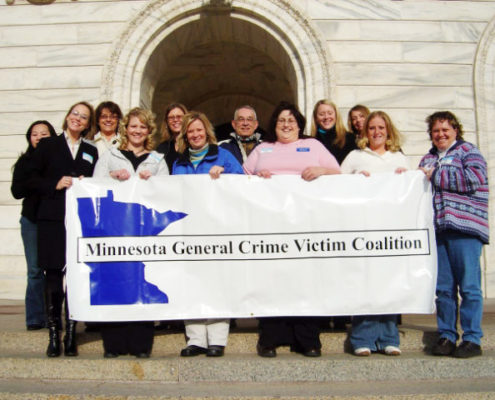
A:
[(26, 373), (248, 368), (171, 343), (456, 389), (417, 332)]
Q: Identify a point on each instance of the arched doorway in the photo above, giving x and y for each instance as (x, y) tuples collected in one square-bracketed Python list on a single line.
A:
[(217, 63), (214, 55)]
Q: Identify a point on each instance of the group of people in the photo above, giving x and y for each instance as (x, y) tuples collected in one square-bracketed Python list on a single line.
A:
[(106, 143)]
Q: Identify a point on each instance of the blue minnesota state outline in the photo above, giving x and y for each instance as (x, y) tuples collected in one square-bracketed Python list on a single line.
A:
[(122, 283)]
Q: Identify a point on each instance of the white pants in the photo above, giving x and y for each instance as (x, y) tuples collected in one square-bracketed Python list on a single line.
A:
[(207, 332)]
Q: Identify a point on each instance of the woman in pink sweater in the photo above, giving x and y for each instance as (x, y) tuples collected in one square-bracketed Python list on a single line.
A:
[(287, 151)]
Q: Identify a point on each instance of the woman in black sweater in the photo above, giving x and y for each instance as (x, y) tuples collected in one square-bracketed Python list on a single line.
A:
[(34, 303)]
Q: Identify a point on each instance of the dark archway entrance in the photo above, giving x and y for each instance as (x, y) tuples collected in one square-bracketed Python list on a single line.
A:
[(217, 63)]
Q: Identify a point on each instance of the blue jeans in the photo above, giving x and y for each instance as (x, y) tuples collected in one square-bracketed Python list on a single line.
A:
[(374, 331), (459, 272), (34, 302)]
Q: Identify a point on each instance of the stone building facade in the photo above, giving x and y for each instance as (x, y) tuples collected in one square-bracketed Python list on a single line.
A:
[(408, 58)]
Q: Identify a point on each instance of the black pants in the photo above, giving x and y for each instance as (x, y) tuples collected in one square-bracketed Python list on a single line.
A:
[(300, 333), (54, 297), (128, 337)]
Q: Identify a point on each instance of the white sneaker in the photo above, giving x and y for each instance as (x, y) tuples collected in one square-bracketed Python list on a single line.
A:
[(392, 351), (362, 352)]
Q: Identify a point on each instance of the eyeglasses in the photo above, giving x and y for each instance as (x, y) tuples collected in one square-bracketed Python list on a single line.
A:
[(109, 116), (248, 119), (174, 117), (76, 113), (283, 121)]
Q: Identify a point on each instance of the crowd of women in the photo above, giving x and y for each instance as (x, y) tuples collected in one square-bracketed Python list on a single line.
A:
[(106, 143)]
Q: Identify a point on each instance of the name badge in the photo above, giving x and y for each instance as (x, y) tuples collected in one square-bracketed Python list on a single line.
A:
[(303, 149), (155, 156), (88, 157), (447, 160), (266, 149)]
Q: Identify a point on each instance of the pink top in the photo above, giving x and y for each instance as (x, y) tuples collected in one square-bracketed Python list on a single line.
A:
[(289, 158)]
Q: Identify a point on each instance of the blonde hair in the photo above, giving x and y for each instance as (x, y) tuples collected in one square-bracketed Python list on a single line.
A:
[(339, 125), (188, 119), (393, 142), (147, 118), (90, 129)]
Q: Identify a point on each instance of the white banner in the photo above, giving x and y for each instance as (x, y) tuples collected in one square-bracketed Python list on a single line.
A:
[(183, 247)]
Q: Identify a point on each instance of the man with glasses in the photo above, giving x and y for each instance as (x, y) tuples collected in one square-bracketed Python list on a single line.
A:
[(244, 138)]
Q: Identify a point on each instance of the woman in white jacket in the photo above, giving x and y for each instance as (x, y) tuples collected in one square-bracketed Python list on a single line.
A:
[(379, 151), (134, 157)]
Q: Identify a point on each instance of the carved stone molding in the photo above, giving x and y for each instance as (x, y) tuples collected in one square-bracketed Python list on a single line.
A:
[(36, 2), (484, 93), (281, 19)]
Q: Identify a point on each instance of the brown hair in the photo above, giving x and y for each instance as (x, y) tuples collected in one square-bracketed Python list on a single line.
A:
[(90, 130), (445, 116), (165, 134), (358, 107)]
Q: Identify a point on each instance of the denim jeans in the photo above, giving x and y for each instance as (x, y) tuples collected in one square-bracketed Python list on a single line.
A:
[(34, 302), (459, 273), (374, 331)]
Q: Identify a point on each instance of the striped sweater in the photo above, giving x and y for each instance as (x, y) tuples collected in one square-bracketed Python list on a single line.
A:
[(460, 184)]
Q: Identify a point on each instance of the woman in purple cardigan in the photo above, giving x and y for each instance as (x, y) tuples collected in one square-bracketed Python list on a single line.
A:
[(458, 174)]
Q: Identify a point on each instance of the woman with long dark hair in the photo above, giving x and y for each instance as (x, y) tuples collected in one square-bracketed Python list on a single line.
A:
[(34, 302), (169, 131), (287, 151)]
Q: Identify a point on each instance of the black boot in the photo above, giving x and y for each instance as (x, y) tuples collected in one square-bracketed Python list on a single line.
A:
[(53, 349), (70, 344), (53, 310)]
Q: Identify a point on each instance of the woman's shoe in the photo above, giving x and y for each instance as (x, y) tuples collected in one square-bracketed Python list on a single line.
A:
[(312, 353), (192, 350), (110, 354), (214, 351), (70, 344), (35, 327), (53, 349), (392, 351), (362, 352), (268, 352)]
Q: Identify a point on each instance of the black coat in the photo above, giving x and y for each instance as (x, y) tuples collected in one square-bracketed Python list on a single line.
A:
[(167, 148), (51, 161), (20, 186), (340, 153)]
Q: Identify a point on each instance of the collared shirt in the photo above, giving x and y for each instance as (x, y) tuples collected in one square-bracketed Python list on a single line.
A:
[(102, 144), (73, 146)]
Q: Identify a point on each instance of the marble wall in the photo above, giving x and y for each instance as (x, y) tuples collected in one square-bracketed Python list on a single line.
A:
[(408, 58)]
